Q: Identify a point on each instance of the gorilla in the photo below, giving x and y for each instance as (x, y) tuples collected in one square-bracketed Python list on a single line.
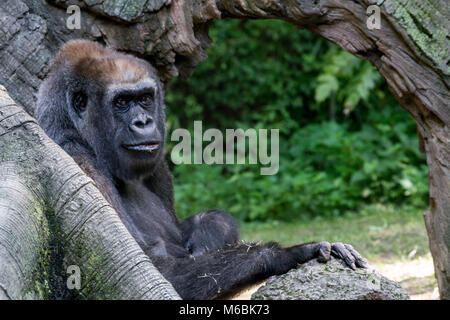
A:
[(106, 109)]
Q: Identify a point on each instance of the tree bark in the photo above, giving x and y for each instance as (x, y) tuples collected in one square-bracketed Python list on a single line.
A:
[(52, 216), (411, 51)]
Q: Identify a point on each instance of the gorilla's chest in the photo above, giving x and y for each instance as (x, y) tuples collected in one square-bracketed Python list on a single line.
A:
[(148, 220)]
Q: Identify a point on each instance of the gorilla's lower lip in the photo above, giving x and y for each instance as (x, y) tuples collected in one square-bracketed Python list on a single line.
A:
[(146, 147)]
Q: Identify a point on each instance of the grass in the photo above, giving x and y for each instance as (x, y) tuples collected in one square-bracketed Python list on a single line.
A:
[(393, 240)]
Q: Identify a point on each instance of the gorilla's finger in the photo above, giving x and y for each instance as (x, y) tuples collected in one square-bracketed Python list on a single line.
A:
[(338, 250), (324, 252), (359, 261)]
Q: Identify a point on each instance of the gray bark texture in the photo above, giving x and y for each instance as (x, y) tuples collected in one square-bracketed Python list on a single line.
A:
[(331, 281), (52, 216), (411, 51)]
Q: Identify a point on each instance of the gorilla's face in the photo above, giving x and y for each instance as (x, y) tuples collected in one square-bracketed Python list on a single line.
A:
[(123, 121)]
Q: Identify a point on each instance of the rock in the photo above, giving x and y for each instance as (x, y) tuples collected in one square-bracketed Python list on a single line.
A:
[(330, 281)]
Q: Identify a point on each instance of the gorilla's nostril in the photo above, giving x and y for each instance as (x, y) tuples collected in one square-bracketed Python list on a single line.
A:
[(141, 122)]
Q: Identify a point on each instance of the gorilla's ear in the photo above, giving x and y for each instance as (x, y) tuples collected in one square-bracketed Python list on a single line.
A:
[(78, 101)]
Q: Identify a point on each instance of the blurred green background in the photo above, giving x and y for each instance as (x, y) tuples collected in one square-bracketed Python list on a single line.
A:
[(350, 167), (344, 142)]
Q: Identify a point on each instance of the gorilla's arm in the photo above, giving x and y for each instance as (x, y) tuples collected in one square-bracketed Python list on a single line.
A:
[(101, 179), (223, 273)]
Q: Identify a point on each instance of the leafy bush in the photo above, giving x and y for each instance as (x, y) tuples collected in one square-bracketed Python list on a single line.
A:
[(344, 142), (325, 169)]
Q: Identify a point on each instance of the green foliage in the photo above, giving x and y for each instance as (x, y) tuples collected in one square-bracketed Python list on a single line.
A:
[(350, 78), (344, 142)]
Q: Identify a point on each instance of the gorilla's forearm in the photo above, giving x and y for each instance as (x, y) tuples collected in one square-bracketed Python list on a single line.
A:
[(223, 273)]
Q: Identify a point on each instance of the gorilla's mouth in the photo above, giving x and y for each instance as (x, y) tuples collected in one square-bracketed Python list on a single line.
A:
[(146, 147)]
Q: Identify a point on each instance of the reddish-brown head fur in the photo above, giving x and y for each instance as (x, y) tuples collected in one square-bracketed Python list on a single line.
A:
[(90, 59)]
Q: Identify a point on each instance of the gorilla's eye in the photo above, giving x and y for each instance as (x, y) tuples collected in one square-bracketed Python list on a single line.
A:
[(121, 102), (79, 101), (146, 98)]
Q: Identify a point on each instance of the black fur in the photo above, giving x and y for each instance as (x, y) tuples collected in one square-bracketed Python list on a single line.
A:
[(96, 125)]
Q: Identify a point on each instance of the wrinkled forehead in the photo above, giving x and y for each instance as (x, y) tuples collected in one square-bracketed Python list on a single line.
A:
[(144, 85)]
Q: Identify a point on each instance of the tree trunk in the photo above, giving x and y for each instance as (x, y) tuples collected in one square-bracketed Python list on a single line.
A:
[(411, 51), (52, 216)]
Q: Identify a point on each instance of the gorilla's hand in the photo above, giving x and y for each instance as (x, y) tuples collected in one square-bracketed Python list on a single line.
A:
[(208, 231), (197, 246), (341, 251)]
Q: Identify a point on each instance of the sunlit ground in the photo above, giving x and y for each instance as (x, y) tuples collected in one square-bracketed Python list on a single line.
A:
[(393, 240), (416, 276)]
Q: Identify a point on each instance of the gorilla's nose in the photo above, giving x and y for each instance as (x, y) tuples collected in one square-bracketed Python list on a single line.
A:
[(143, 125)]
